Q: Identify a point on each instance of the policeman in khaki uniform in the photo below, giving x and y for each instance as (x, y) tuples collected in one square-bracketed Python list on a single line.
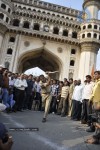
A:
[(46, 94), (46, 97)]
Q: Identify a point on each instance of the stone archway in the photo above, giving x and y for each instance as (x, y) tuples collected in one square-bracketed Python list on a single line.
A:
[(42, 59)]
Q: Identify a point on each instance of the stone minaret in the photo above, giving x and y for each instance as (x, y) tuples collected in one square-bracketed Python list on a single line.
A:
[(5, 18), (89, 37)]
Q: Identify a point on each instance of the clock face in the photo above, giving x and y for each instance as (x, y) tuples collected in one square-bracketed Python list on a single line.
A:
[(46, 28)]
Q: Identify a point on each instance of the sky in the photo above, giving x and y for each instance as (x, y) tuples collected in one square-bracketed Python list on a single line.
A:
[(75, 4)]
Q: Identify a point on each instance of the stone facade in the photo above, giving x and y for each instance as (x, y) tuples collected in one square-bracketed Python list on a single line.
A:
[(52, 37)]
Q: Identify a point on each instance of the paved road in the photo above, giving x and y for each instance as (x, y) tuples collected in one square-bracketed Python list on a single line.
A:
[(56, 134)]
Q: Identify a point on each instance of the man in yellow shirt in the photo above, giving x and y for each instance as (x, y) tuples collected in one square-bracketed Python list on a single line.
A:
[(95, 97), (95, 100)]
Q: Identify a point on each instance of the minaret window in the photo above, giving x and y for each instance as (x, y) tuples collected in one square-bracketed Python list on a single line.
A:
[(99, 37), (1, 16), (74, 35), (3, 6), (9, 51), (72, 63), (95, 26), (65, 33), (26, 24), (73, 51), (36, 26), (83, 36), (84, 27), (9, 10), (55, 30), (95, 35), (7, 19), (16, 22), (89, 35), (89, 26), (12, 39)]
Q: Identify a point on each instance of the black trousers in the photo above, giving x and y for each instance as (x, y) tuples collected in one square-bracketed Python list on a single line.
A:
[(85, 110), (29, 101), (53, 104), (38, 97), (20, 94), (76, 109)]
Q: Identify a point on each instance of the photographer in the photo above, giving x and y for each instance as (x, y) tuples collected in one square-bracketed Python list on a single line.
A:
[(5, 140), (95, 139)]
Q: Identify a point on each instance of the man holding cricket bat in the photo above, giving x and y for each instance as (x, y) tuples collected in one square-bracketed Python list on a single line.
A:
[(46, 93)]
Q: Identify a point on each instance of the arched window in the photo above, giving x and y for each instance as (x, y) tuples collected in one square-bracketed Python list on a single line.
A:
[(83, 36), (72, 63), (1, 16), (71, 19), (16, 22), (62, 16), (9, 10), (89, 35), (53, 14), (9, 51), (89, 26), (36, 26), (74, 35), (12, 39), (29, 8), (73, 51), (26, 24), (65, 33), (7, 19), (24, 7), (34, 9), (95, 26), (19, 7), (43, 12), (67, 17), (55, 30), (58, 15), (3, 6), (84, 27), (95, 35), (7, 64)]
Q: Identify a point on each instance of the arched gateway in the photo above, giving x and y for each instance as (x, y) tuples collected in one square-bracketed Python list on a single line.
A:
[(42, 58)]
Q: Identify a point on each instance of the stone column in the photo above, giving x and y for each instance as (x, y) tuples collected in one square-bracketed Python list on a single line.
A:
[(16, 54), (87, 59)]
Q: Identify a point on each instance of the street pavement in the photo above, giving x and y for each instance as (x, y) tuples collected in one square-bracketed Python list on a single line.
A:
[(56, 134)]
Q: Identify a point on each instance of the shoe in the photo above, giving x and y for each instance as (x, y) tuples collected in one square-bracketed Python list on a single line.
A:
[(76, 119), (90, 130), (62, 115), (58, 113), (83, 122), (44, 120)]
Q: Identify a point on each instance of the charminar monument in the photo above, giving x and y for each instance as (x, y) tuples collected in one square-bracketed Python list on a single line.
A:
[(36, 33)]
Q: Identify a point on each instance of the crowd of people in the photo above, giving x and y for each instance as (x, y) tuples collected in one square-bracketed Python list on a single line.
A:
[(79, 101)]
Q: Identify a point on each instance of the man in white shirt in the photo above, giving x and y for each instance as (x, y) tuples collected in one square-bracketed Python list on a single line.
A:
[(20, 85), (87, 91), (77, 101)]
